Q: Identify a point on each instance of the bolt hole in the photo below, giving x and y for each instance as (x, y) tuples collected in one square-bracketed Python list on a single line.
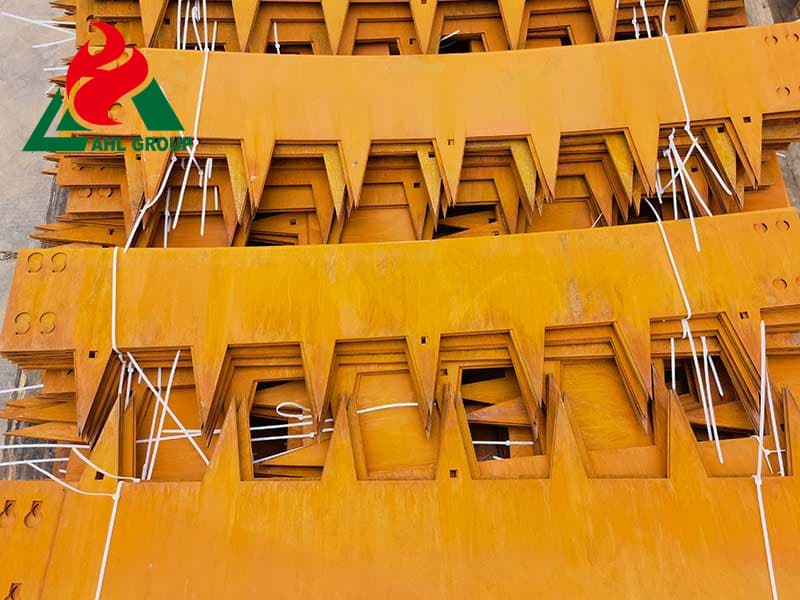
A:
[(7, 514), (292, 221), (113, 112), (22, 323), (744, 315), (92, 353), (98, 476), (35, 261), (14, 591), (423, 339), (416, 185), (747, 120), (453, 473), (34, 517)]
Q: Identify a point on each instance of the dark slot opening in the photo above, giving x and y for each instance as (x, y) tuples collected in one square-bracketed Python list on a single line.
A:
[(455, 45), (294, 48), (468, 209), (266, 448), (490, 433), (681, 377), (645, 214), (218, 47), (265, 385), (443, 231), (476, 375)]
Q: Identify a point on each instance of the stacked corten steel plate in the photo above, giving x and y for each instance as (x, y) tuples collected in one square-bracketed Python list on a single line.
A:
[(300, 353)]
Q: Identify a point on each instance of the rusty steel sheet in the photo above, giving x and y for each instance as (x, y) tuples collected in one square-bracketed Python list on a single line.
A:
[(596, 185), (343, 307), (457, 383), (449, 537), (338, 27), (332, 313), (628, 87), (210, 299)]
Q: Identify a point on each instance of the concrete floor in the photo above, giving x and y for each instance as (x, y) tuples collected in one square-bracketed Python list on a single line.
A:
[(763, 12), (26, 192), (785, 10)]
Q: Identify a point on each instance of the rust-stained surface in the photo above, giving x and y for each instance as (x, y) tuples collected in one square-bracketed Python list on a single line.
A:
[(662, 497), (375, 27), (431, 328), (583, 149)]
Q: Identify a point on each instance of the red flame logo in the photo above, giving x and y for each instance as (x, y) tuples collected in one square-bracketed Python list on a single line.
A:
[(95, 97)]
